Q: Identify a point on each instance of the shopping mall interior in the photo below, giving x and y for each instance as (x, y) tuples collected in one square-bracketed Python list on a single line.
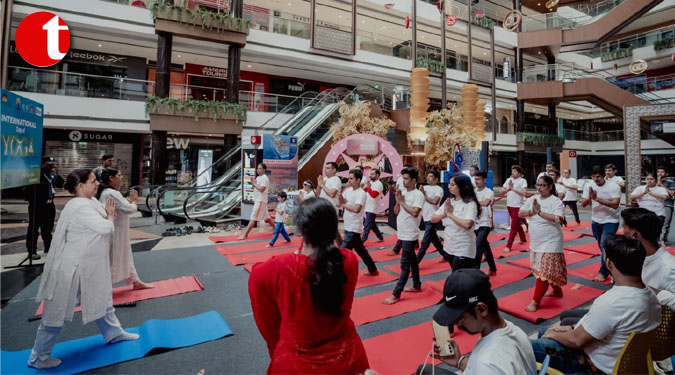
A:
[(187, 97)]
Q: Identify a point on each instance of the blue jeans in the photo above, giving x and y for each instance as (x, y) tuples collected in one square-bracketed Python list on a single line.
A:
[(601, 232), (352, 241), (279, 228), (563, 359), (370, 224), (430, 237)]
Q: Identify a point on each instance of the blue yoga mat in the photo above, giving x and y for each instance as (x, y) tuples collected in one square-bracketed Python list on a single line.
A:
[(93, 352)]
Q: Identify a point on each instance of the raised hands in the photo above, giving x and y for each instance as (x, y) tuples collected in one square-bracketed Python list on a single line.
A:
[(448, 207), (133, 196), (536, 208), (110, 208), (399, 197)]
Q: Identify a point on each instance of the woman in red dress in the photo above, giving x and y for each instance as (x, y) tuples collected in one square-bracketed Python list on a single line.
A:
[(302, 302)]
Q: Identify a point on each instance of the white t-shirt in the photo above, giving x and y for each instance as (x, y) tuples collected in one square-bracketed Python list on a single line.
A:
[(407, 226), (616, 179), (514, 199), (331, 183), (459, 241), (399, 184), (485, 218), (613, 317), (373, 203), (600, 213), (429, 209), (281, 217), (545, 236), (559, 189), (307, 194), (354, 220), (262, 181), (570, 194), (649, 202), (505, 351), (658, 272)]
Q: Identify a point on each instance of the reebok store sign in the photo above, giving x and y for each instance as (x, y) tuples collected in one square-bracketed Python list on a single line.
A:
[(42, 39)]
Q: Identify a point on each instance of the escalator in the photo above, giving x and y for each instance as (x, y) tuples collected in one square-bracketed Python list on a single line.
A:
[(308, 118), (555, 33)]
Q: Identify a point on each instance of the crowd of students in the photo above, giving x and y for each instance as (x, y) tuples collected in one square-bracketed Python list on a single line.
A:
[(642, 270)]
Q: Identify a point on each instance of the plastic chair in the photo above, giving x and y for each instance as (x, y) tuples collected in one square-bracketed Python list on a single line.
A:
[(635, 357), (663, 346), (544, 369)]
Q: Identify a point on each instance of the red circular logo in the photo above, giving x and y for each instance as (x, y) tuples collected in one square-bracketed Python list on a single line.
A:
[(42, 39)]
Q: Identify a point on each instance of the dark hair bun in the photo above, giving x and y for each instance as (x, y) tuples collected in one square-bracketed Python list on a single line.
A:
[(75, 177)]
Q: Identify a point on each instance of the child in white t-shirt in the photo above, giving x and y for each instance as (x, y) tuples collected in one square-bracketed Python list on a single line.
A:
[(280, 219)]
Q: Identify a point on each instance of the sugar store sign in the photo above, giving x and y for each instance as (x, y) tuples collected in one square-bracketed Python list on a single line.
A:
[(78, 136)]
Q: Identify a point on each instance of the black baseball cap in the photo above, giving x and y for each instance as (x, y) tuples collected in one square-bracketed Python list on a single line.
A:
[(462, 288), (48, 160)]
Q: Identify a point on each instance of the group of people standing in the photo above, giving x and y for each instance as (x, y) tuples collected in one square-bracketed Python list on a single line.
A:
[(90, 251)]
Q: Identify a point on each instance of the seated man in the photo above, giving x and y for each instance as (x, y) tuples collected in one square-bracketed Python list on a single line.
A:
[(658, 271), (597, 339), (469, 303)]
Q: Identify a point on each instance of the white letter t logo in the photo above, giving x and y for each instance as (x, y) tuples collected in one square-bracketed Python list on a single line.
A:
[(53, 28)]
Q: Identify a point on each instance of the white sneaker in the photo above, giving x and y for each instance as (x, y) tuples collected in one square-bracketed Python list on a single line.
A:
[(44, 364), (126, 336)]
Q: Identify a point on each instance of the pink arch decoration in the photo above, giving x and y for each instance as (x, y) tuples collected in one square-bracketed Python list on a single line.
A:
[(385, 149)]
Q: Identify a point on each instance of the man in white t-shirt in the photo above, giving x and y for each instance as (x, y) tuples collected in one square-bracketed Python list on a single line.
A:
[(597, 339), (261, 184), (353, 200), (570, 198), (408, 209), (550, 166), (485, 198), (399, 186), (516, 190), (559, 189), (604, 212), (502, 349), (472, 173), (374, 190), (432, 200), (610, 176), (658, 271), (329, 186)]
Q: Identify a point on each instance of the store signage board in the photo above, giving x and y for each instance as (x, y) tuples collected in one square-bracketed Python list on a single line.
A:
[(573, 154), (21, 146), (662, 126)]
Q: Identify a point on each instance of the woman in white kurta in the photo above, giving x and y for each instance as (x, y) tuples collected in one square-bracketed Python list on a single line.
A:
[(651, 197), (121, 258), (78, 270), (547, 260)]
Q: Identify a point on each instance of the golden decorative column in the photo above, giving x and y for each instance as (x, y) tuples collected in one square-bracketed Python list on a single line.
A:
[(480, 121), (419, 92)]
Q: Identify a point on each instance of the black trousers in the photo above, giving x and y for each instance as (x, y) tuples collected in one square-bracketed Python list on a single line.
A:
[(44, 222), (483, 248), (430, 237), (457, 262), (408, 265), (352, 241), (573, 206)]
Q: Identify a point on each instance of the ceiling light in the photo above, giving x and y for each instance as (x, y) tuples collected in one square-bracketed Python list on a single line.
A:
[(289, 4), (539, 52), (249, 65), (363, 21), (538, 4), (339, 15), (179, 56), (100, 45), (484, 53)]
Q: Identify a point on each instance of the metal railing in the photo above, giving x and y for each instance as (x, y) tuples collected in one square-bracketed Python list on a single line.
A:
[(546, 72), (592, 11)]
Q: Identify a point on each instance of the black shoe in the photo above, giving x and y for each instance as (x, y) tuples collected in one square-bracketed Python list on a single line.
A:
[(35, 256)]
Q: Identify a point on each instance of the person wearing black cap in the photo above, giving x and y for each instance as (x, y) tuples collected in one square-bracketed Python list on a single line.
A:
[(43, 202), (468, 303)]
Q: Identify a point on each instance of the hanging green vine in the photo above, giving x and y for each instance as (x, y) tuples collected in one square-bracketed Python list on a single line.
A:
[(209, 19), (434, 66), (540, 139), (172, 106)]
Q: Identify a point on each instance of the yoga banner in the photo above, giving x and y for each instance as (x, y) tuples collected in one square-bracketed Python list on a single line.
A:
[(21, 146), (280, 154)]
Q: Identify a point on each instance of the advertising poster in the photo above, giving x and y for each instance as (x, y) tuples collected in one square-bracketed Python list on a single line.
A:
[(21, 146), (204, 169), (249, 171), (280, 154)]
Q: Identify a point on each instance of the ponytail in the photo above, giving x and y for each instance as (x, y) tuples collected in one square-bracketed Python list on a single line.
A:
[(316, 219), (105, 180)]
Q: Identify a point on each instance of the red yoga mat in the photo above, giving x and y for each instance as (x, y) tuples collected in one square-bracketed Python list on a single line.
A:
[(261, 256), (427, 266), (257, 246), (365, 281), (671, 250), (505, 275), (515, 303), (517, 248), (234, 237), (494, 237), (588, 272), (163, 288), (374, 243), (402, 351), (571, 257), (370, 308), (573, 226), (590, 248)]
